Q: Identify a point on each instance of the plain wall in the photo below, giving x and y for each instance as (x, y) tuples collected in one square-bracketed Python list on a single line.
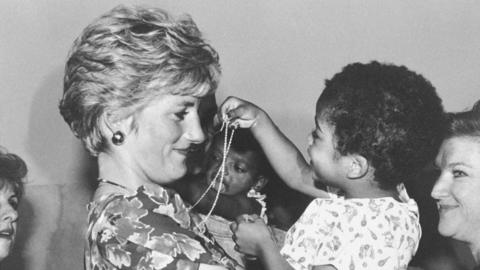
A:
[(275, 53)]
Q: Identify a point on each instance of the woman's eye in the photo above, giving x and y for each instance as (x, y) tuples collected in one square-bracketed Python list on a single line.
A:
[(458, 173), (181, 115), (13, 202), (314, 134)]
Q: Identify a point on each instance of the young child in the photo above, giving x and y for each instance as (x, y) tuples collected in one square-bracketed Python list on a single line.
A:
[(247, 171), (376, 126)]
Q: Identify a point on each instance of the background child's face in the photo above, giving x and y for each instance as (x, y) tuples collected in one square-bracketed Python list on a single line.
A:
[(241, 169), (324, 159)]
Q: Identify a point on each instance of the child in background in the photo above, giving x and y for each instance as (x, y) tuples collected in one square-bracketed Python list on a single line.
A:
[(247, 171), (376, 126)]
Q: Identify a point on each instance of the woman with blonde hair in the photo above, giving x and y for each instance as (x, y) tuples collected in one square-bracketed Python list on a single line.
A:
[(134, 82)]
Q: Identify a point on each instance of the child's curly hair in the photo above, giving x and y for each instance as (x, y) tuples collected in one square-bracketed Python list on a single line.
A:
[(390, 115)]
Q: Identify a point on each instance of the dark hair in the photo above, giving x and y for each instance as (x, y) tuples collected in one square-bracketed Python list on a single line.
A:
[(12, 171), (243, 141), (390, 115), (464, 123)]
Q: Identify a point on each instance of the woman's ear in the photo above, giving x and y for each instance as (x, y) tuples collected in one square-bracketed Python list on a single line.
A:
[(358, 166), (261, 182), (111, 126)]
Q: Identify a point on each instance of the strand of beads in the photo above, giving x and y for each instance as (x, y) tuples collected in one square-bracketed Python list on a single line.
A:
[(221, 171)]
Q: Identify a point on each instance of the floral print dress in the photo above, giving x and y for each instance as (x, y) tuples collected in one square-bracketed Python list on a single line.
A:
[(148, 230), (350, 234)]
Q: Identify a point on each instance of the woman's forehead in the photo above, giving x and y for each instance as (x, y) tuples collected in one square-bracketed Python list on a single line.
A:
[(6, 188), (459, 150)]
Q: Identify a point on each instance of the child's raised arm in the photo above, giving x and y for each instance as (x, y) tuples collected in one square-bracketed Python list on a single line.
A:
[(284, 157)]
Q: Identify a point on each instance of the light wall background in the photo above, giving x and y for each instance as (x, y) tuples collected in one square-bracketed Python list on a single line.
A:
[(275, 53)]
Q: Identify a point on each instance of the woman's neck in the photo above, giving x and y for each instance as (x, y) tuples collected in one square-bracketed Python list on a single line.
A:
[(119, 170)]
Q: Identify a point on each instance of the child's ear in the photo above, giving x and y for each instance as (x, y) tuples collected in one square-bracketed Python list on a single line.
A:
[(261, 182), (358, 166)]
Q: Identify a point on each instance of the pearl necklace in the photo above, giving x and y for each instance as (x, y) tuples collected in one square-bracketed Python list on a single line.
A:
[(221, 170)]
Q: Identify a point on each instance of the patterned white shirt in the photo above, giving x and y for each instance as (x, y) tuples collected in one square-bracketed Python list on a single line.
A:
[(380, 233)]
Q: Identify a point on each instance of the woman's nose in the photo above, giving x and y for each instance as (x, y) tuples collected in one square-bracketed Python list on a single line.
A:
[(309, 140), (8, 213), (195, 132), (440, 189)]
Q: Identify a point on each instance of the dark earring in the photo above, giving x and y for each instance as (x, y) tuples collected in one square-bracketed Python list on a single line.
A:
[(118, 138)]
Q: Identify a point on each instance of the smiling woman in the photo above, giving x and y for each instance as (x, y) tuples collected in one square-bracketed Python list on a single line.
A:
[(134, 82), (12, 172), (458, 186)]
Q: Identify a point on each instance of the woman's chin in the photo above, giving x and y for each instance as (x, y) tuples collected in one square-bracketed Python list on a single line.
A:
[(5, 246)]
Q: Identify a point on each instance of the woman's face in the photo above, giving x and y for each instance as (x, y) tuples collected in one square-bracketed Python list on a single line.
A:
[(167, 129), (8, 222), (457, 190)]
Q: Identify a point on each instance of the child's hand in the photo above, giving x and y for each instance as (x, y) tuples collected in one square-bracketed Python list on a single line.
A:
[(241, 113), (251, 235)]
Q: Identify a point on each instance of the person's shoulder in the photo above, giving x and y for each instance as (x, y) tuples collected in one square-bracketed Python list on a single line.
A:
[(101, 203)]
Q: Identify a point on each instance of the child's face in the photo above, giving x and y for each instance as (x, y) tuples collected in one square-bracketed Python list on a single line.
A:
[(458, 187), (325, 160), (241, 170)]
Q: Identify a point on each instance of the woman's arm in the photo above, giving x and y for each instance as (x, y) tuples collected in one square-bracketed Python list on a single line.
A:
[(203, 266), (189, 265)]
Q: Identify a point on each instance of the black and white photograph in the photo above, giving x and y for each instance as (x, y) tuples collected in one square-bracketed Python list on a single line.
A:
[(239, 135)]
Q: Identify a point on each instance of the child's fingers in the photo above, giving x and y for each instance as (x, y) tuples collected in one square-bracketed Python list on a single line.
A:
[(233, 227), (245, 218), (228, 104), (236, 113), (217, 120), (230, 108), (254, 216)]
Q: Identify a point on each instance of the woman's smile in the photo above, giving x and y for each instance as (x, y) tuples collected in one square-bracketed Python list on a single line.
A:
[(7, 233), (446, 207)]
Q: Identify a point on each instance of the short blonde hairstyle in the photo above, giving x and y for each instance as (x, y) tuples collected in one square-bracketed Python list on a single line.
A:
[(125, 59)]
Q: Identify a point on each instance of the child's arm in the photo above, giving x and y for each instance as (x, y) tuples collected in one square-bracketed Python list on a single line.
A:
[(285, 158), (252, 237)]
